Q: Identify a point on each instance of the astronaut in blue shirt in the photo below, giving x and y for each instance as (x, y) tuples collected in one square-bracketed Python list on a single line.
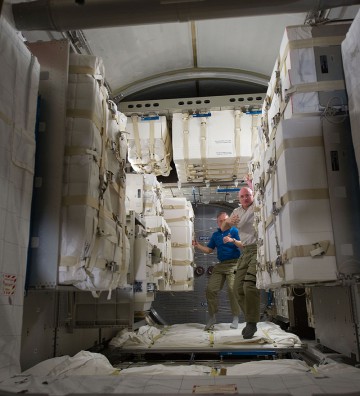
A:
[(227, 244)]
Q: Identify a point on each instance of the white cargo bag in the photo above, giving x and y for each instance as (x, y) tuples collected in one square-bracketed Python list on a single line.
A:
[(149, 145), (93, 215), (212, 146), (295, 210)]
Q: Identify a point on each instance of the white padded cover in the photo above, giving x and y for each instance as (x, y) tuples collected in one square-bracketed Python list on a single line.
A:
[(216, 146), (93, 239), (351, 62), (295, 81), (19, 81), (301, 197), (149, 145)]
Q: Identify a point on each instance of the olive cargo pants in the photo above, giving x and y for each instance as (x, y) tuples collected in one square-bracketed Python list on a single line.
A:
[(246, 292), (222, 271)]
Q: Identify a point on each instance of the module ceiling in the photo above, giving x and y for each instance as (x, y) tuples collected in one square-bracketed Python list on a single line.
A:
[(195, 58), (234, 55), (187, 59)]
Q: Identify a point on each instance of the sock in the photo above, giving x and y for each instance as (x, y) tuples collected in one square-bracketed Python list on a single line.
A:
[(235, 322)]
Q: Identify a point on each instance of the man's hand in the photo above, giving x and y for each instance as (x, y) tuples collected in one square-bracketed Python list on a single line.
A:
[(228, 239), (233, 219), (228, 223), (201, 247)]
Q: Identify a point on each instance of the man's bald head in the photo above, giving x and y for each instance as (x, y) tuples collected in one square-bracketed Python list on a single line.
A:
[(246, 197)]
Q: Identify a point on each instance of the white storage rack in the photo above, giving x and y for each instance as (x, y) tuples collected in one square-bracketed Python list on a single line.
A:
[(65, 309), (305, 185)]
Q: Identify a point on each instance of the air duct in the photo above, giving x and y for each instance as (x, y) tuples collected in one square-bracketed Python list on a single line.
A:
[(61, 15)]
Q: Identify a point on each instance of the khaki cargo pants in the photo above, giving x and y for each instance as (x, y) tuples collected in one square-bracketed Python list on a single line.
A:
[(247, 294), (223, 271)]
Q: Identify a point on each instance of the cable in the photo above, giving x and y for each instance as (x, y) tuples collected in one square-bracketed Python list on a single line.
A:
[(334, 111)]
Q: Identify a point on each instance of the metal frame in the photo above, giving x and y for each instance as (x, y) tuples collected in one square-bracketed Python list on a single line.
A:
[(245, 102), (205, 354)]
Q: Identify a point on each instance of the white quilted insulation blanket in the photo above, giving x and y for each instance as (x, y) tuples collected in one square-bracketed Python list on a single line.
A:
[(91, 373), (19, 80), (193, 335)]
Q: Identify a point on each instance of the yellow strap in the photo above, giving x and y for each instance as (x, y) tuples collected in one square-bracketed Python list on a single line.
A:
[(116, 187), (73, 150), (336, 85), (103, 131), (180, 245), (181, 262), (237, 137), (254, 128), (305, 250), (269, 221), (308, 141), (70, 261), (81, 200), (314, 42), (306, 43), (152, 139), (175, 219), (105, 214), (238, 115), (75, 69), (298, 195), (148, 187), (203, 140), (155, 229), (174, 207), (186, 135), (186, 132), (149, 205), (134, 119), (84, 113), (309, 43), (98, 263), (76, 200), (214, 178), (211, 338), (301, 195), (216, 166), (283, 106), (223, 172)]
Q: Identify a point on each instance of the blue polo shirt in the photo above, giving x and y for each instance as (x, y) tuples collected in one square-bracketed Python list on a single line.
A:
[(225, 251)]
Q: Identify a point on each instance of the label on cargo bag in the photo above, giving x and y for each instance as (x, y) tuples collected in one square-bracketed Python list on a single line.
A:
[(8, 282), (223, 147), (223, 141)]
